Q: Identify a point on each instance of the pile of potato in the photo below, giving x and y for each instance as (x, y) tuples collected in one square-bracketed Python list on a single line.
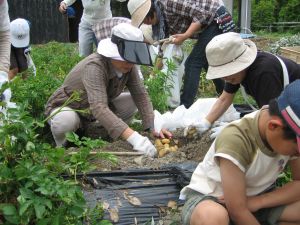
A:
[(190, 132), (165, 146)]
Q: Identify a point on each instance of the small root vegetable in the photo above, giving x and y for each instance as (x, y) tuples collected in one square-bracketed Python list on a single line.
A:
[(165, 141)]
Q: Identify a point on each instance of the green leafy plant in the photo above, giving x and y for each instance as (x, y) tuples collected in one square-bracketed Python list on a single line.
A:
[(293, 40), (79, 162), (53, 62), (157, 86), (31, 192)]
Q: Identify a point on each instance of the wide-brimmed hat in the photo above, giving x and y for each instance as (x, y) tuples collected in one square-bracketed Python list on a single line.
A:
[(127, 44), (19, 33), (138, 10), (289, 106), (228, 54)]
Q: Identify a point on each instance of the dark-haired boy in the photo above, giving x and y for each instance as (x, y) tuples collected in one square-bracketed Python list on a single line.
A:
[(233, 181)]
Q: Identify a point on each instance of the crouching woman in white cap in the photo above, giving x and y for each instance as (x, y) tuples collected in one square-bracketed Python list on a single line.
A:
[(101, 78)]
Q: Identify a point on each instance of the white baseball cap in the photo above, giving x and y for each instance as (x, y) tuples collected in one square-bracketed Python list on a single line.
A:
[(126, 44), (19, 33)]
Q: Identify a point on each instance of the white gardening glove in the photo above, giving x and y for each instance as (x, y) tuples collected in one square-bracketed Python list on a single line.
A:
[(142, 144), (201, 126), (215, 131), (3, 78), (6, 95)]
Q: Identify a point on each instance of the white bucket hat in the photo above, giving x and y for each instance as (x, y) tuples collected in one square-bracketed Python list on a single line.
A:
[(123, 30), (138, 10), (228, 54), (19, 33)]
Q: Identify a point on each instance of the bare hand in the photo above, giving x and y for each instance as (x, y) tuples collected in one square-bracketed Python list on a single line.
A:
[(63, 7), (178, 39), (163, 133)]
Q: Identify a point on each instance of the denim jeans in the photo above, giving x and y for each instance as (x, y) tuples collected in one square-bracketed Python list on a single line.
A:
[(86, 38), (194, 64)]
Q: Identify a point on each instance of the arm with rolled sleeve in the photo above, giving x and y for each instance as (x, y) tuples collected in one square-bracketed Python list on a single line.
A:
[(199, 17), (141, 99)]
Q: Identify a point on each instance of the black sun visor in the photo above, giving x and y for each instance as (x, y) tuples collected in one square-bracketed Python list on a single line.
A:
[(136, 52)]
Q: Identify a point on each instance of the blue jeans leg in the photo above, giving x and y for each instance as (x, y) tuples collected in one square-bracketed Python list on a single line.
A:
[(194, 64)]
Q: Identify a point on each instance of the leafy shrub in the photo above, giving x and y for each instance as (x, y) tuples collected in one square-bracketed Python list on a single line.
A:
[(290, 11), (157, 87), (31, 191), (284, 42), (53, 62), (263, 12)]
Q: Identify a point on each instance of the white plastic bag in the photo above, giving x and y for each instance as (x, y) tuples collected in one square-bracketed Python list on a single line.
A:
[(182, 117), (178, 56)]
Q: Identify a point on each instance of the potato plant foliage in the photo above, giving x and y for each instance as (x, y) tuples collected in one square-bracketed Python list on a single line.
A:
[(32, 188)]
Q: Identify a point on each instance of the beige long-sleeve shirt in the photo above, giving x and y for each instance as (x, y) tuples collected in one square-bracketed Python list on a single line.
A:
[(96, 80)]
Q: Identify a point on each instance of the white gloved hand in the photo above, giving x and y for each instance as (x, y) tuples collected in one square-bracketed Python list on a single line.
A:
[(3, 78), (142, 144), (217, 129), (202, 126)]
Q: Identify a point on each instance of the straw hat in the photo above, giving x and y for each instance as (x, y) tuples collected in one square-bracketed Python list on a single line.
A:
[(138, 10), (228, 54)]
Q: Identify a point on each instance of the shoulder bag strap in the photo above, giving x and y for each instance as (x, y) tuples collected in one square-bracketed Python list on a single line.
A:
[(286, 81)]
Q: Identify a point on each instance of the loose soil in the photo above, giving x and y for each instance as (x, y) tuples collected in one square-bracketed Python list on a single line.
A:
[(189, 149)]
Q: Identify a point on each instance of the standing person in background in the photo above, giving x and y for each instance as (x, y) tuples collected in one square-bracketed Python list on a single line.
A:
[(20, 37), (93, 11), (183, 19), (4, 39)]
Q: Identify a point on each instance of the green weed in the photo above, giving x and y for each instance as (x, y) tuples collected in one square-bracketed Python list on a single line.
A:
[(157, 86)]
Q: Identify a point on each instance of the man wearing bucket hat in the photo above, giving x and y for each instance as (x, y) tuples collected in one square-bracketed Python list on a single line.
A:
[(100, 79), (234, 182), (201, 20), (238, 62)]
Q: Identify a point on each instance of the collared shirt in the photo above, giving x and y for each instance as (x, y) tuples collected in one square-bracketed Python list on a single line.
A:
[(96, 81), (179, 14), (102, 29)]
